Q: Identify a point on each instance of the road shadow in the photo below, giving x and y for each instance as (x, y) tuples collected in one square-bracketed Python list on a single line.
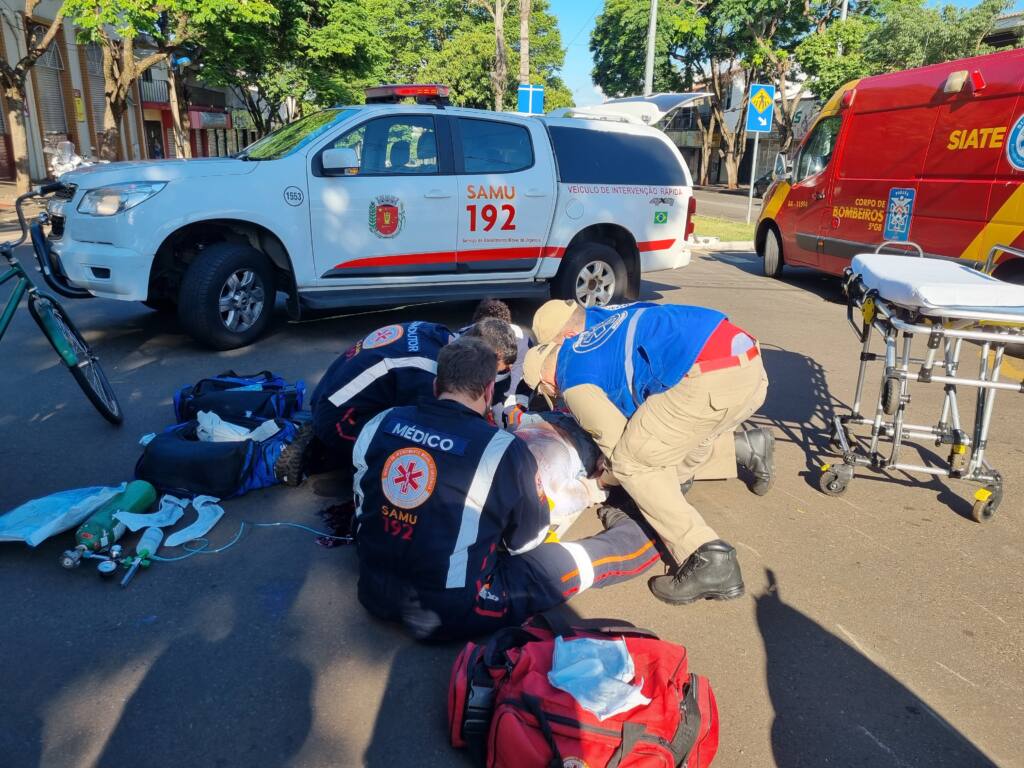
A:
[(834, 706), (826, 287)]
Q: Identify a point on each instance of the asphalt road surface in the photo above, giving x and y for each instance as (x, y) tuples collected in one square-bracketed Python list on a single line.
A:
[(725, 205), (883, 628)]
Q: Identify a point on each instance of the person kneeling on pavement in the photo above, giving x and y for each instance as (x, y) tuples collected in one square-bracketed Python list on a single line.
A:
[(753, 449), (656, 386), (451, 517), (393, 365)]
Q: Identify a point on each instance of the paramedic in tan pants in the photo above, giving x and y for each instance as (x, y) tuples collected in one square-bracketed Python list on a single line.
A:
[(753, 449), (656, 386)]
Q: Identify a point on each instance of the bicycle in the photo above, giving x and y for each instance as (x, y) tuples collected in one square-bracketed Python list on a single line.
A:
[(50, 316)]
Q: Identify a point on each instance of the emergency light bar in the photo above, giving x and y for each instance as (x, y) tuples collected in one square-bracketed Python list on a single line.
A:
[(423, 94)]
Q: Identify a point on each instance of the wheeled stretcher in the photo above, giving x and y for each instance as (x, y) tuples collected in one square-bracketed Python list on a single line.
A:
[(946, 303)]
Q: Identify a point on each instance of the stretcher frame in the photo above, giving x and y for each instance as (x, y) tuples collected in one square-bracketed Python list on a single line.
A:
[(946, 330)]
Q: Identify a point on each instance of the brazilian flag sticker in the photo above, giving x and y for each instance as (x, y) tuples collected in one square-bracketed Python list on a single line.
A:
[(661, 217)]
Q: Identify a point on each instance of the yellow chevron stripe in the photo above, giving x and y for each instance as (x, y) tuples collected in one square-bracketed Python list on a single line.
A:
[(1003, 229), (774, 204)]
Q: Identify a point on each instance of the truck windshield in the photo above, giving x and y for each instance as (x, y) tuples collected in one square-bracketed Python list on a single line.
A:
[(294, 136)]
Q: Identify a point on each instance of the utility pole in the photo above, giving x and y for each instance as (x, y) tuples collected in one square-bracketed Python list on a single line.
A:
[(842, 17), (524, 41), (649, 68)]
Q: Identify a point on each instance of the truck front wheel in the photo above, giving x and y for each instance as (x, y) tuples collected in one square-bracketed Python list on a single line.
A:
[(772, 253), (593, 274), (227, 296)]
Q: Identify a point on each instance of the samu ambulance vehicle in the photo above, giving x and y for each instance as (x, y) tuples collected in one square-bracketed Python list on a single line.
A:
[(382, 203), (932, 155)]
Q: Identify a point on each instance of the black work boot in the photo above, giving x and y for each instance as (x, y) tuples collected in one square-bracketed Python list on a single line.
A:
[(755, 451), (710, 573), (291, 465), (611, 516)]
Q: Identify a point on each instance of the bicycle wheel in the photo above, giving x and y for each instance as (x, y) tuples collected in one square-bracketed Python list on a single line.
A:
[(65, 339)]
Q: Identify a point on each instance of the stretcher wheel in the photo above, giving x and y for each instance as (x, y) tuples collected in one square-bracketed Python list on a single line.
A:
[(831, 484), (890, 396), (986, 502)]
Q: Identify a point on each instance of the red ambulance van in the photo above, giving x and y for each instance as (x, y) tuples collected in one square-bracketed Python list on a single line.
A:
[(933, 155)]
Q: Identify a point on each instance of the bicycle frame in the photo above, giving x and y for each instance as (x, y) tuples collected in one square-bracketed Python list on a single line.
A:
[(23, 285)]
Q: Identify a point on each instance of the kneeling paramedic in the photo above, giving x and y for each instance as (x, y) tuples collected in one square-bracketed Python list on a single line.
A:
[(656, 386), (753, 449), (393, 365), (452, 519)]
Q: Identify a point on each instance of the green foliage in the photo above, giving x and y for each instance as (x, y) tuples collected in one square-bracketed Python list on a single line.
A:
[(171, 21), (818, 55), (892, 35)]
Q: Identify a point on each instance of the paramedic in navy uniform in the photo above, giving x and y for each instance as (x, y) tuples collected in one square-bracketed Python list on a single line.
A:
[(393, 365), (452, 520)]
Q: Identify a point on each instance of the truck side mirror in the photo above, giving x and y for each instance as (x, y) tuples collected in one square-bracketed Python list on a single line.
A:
[(781, 168), (340, 161)]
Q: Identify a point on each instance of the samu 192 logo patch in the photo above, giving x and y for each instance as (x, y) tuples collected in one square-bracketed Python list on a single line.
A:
[(661, 217), (408, 477), (383, 336), (386, 216)]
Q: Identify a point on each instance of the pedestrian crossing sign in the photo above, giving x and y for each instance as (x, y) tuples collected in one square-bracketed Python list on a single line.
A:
[(760, 108)]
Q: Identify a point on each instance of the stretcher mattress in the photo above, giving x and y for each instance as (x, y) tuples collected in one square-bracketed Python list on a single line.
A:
[(936, 284)]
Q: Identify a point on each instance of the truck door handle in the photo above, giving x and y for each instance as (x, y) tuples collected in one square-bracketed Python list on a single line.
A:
[(437, 194), (819, 195), (534, 192)]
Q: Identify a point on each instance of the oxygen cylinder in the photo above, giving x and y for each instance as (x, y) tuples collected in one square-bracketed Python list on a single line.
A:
[(101, 530)]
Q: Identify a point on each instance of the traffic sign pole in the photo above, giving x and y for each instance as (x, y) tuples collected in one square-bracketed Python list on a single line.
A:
[(760, 111), (753, 177)]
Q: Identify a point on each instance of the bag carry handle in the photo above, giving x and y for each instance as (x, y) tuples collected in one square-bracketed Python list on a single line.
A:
[(532, 704), (558, 625), (267, 375)]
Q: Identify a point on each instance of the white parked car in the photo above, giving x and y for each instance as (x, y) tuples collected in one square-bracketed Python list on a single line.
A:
[(380, 204)]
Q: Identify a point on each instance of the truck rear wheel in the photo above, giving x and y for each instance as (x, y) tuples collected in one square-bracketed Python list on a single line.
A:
[(593, 274), (227, 296), (772, 254)]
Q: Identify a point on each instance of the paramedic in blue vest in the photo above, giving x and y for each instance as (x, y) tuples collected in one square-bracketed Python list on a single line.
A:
[(393, 365), (753, 449), (656, 386), (451, 516)]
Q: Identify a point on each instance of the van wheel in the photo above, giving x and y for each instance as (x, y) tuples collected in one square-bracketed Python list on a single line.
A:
[(227, 296), (772, 254), (593, 275)]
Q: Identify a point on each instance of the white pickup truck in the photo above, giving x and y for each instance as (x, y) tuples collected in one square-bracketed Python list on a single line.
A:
[(380, 204)]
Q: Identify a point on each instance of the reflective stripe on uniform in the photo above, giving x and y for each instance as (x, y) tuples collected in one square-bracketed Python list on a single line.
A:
[(630, 336), (583, 565), (536, 542), (359, 457), (375, 371), (479, 490)]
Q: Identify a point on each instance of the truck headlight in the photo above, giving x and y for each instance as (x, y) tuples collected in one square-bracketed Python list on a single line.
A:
[(108, 201)]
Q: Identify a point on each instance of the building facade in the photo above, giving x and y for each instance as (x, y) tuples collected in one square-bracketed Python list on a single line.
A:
[(66, 102)]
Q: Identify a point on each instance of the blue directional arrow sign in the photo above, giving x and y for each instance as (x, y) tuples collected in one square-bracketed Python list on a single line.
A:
[(761, 108)]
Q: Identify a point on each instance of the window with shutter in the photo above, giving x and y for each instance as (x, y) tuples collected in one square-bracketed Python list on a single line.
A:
[(51, 96), (97, 97)]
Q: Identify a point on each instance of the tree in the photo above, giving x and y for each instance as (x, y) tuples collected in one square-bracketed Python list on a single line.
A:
[(893, 35), (499, 73), (524, 41), (37, 39), (315, 50), (169, 25)]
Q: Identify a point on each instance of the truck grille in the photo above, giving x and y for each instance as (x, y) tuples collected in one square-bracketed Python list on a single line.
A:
[(56, 227)]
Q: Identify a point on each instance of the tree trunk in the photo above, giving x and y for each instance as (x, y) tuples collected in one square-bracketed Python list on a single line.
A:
[(178, 128), (707, 134), (19, 136), (524, 41), (500, 74), (732, 167)]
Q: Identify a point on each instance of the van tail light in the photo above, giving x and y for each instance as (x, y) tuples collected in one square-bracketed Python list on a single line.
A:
[(691, 209), (848, 98)]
